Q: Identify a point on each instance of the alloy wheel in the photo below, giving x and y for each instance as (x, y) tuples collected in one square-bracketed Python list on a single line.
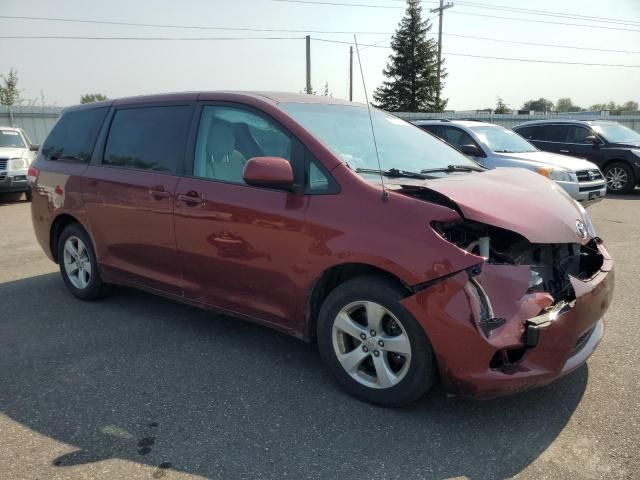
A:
[(77, 263), (371, 344), (616, 178)]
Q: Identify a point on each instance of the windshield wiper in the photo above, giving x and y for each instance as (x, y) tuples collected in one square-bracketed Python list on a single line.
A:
[(395, 173), (454, 168)]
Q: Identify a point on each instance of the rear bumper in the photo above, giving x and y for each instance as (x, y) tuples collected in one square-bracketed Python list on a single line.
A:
[(15, 181), (512, 357)]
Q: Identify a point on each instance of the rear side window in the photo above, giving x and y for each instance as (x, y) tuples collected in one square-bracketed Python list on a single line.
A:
[(148, 138), (74, 135), (552, 133)]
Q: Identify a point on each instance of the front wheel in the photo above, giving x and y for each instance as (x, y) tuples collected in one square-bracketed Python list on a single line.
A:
[(78, 264), (374, 347), (620, 178)]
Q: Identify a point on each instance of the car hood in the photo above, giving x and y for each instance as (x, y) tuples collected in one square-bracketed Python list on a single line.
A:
[(10, 152), (552, 160), (514, 199)]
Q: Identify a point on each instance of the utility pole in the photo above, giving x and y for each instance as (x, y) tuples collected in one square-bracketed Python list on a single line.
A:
[(440, 10), (308, 88), (351, 73)]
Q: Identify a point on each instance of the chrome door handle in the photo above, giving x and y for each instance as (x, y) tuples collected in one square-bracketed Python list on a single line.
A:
[(159, 192), (564, 151), (192, 198)]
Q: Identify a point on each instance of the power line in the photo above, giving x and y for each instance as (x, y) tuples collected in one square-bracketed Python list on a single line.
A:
[(60, 37), (529, 60), (467, 4), (339, 4), (196, 27), (519, 42), (532, 60), (530, 20), (547, 13)]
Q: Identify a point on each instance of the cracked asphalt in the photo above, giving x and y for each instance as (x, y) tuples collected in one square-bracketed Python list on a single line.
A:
[(138, 387)]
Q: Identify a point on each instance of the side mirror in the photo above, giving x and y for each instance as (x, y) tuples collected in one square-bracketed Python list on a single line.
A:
[(471, 150), (274, 172), (34, 147), (591, 139)]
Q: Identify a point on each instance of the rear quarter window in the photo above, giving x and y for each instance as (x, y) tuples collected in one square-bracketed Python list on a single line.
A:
[(74, 135)]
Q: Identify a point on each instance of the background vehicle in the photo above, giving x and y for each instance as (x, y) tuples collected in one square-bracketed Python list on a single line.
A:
[(613, 147), (16, 154), (270, 207), (494, 146)]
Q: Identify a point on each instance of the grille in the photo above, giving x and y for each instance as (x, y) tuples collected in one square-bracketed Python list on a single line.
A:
[(589, 175), (3, 163), (591, 188), (581, 342)]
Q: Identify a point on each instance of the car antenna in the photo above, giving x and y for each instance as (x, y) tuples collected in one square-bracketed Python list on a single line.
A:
[(385, 194)]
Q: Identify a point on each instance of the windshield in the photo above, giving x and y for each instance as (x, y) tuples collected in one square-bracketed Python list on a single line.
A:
[(346, 130), (501, 140), (10, 138), (616, 133)]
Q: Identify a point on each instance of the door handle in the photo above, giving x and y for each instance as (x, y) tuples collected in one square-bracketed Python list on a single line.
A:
[(192, 198), (564, 151), (159, 192)]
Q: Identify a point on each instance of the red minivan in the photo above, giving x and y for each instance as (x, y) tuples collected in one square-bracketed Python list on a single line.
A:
[(404, 260)]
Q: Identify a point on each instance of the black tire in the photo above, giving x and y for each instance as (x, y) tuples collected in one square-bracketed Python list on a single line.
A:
[(28, 195), (421, 372), (94, 288), (630, 184)]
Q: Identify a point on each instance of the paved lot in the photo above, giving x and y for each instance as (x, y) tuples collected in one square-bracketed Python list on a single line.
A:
[(135, 386)]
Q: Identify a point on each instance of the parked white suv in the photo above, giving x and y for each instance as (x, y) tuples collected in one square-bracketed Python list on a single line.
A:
[(494, 146), (16, 154)]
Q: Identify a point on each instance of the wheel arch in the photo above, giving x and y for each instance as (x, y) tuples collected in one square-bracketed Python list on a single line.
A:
[(334, 276), (57, 227), (609, 161)]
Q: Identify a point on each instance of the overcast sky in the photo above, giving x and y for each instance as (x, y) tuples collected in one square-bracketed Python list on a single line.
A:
[(65, 69)]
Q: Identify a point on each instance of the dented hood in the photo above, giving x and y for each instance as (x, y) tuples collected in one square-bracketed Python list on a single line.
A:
[(515, 199)]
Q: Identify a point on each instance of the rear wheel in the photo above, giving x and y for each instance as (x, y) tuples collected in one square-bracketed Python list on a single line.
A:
[(374, 347), (78, 265), (28, 195), (619, 177)]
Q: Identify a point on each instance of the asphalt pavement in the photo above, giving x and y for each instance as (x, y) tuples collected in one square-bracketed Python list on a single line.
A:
[(139, 387)]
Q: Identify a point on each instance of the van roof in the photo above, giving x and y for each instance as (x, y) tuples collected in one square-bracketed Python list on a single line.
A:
[(270, 97)]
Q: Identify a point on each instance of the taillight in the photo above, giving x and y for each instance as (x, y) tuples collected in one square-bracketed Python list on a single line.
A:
[(32, 174)]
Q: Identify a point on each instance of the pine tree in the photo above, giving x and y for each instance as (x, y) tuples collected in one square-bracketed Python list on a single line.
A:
[(412, 69)]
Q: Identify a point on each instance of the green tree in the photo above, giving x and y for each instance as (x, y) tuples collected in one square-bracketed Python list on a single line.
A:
[(93, 97), (614, 108), (566, 105), (9, 93), (540, 105), (501, 107), (412, 81)]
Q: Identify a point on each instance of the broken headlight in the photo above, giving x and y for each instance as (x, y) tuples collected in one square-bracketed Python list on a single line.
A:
[(586, 218)]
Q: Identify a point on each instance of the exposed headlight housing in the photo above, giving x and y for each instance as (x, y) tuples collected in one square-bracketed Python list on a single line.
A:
[(557, 174), (17, 164), (586, 218)]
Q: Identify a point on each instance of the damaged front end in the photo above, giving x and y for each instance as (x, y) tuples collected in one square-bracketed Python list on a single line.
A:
[(526, 314)]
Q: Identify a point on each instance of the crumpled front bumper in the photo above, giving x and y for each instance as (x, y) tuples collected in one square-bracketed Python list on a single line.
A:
[(534, 343)]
